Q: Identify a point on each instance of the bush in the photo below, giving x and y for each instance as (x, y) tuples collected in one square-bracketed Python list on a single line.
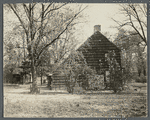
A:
[(141, 79), (78, 73), (7, 77), (7, 73), (136, 78), (116, 74), (96, 82), (69, 84), (78, 90)]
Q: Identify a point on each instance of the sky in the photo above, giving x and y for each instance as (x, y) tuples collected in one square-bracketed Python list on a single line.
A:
[(101, 14), (96, 14)]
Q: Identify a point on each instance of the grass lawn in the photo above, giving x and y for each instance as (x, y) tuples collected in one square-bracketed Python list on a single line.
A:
[(19, 103)]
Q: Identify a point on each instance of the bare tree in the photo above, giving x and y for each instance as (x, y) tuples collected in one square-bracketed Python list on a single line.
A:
[(133, 57), (44, 24), (136, 16)]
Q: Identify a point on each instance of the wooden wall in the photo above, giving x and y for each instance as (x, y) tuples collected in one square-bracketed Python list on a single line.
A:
[(94, 49)]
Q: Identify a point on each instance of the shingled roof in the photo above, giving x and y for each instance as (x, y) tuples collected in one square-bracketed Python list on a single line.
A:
[(98, 40), (95, 48)]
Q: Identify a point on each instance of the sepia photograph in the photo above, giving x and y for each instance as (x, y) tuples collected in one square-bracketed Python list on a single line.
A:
[(75, 60)]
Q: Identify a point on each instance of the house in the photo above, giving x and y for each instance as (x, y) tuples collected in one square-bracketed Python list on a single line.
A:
[(95, 50), (19, 76)]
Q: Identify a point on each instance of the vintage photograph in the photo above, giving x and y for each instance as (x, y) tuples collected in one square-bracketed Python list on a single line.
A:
[(74, 60)]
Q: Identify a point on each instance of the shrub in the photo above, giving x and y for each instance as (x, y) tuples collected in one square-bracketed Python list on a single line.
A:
[(69, 84), (116, 74), (141, 79), (77, 71), (7, 77), (8, 73), (136, 78), (96, 82), (78, 90)]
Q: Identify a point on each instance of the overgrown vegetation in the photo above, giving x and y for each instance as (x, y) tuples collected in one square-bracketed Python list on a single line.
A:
[(42, 27), (133, 55), (77, 72), (7, 73), (141, 79), (115, 81)]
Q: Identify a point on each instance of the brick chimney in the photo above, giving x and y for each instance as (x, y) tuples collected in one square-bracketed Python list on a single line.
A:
[(97, 28)]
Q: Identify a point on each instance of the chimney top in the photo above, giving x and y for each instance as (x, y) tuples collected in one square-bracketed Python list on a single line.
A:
[(97, 28)]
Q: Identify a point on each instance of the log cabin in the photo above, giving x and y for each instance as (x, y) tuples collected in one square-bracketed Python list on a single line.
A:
[(95, 50)]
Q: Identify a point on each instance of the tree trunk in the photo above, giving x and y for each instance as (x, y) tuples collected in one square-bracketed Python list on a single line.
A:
[(34, 88)]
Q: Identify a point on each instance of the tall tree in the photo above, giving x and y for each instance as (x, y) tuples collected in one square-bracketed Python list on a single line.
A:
[(136, 19), (43, 23), (133, 57)]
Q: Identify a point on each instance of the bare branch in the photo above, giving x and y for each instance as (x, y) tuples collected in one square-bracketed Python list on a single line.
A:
[(54, 9), (134, 9), (19, 19), (33, 6), (48, 7), (26, 10), (131, 11), (59, 34)]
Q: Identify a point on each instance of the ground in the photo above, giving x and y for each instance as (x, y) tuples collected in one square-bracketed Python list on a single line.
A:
[(49, 103)]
